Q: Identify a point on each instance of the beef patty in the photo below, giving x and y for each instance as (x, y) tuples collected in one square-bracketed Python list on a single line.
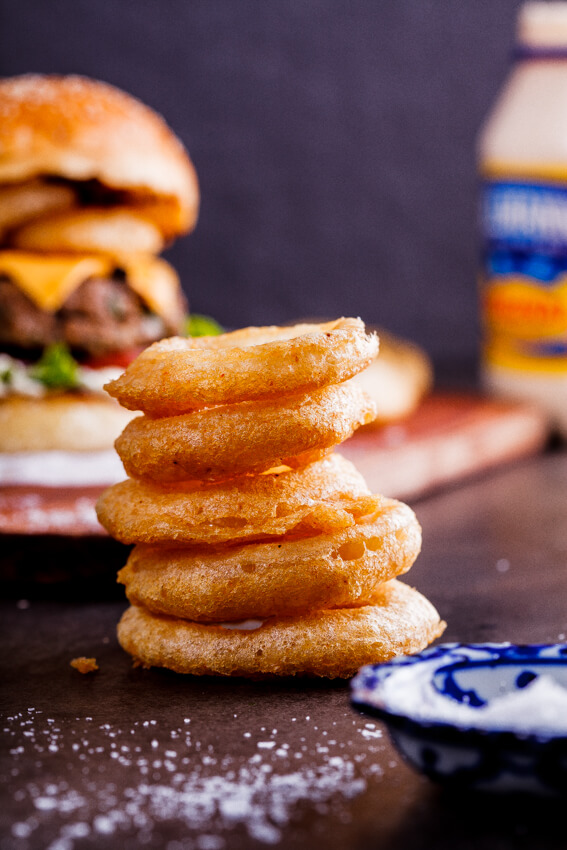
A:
[(102, 315)]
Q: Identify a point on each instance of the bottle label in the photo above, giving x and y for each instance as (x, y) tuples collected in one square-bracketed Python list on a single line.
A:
[(524, 274)]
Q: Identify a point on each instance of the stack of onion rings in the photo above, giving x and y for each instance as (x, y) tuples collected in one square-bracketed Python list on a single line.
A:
[(258, 551)]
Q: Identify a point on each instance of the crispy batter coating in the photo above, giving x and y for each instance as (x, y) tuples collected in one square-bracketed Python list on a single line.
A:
[(176, 375), (235, 439), (282, 578), (321, 497), (259, 551), (84, 665), (331, 643)]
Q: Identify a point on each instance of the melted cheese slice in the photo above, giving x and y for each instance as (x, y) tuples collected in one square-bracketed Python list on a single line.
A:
[(49, 279), (155, 281)]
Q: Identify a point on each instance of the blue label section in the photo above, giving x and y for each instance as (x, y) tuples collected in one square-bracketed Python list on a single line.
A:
[(525, 215), (540, 267), (524, 226)]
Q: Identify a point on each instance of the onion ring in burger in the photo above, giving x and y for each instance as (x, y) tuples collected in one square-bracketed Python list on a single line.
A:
[(319, 498), (176, 375), (105, 230), (22, 202), (331, 643), (285, 577), (250, 437)]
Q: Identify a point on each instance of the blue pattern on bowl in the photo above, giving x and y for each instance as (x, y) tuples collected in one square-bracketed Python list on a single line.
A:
[(449, 750)]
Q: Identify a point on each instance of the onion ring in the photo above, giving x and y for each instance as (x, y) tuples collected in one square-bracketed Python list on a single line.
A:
[(24, 201), (331, 643), (249, 437), (282, 578), (104, 230), (322, 497), (176, 375)]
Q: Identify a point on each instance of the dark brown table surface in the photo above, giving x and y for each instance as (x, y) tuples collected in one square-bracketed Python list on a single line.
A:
[(129, 758)]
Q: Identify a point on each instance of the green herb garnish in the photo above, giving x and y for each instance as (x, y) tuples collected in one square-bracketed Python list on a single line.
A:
[(197, 325), (57, 369)]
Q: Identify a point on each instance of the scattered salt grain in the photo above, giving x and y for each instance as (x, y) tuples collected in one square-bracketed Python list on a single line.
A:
[(370, 731), (204, 795), (21, 830)]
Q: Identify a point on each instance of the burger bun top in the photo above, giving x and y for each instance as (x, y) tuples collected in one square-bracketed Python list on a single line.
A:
[(81, 129)]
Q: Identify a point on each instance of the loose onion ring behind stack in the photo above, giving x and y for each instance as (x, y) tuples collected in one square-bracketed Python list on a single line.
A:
[(286, 577), (178, 375), (322, 497)]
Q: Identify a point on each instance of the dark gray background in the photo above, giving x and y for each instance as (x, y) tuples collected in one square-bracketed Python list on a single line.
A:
[(334, 142)]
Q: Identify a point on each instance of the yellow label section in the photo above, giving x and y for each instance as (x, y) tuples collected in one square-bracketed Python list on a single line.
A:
[(500, 352), (527, 171), (517, 307), (525, 324), (49, 279)]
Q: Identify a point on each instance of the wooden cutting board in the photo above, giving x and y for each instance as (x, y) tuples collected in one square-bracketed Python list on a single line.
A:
[(449, 438)]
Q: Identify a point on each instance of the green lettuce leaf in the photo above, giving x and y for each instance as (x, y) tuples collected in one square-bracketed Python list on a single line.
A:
[(197, 325), (57, 368)]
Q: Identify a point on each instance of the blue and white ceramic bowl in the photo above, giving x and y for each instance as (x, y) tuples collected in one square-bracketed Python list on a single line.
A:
[(482, 716)]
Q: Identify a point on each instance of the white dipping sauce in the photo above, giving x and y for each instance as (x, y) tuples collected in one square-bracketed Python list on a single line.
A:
[(540, 708), (243, 625)]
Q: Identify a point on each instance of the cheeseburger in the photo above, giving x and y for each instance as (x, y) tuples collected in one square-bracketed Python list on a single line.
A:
[(93, 185)]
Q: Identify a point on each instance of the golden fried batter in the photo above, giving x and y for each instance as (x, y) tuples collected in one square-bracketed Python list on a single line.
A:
[(178, 375), (331, 643), (250, 437), (321, 497), (283, 578), (259, 551), (84, 665)]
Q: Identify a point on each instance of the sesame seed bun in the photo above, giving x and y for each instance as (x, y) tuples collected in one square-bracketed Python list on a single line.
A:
[(82, 129)]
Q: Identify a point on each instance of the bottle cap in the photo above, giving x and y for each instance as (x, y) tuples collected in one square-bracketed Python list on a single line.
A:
[(543, 25)]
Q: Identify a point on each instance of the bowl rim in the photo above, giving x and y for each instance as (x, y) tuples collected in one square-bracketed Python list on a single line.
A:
[(445, 731)]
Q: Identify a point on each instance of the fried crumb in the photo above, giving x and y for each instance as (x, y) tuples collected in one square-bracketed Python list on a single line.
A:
[(84, 665)]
